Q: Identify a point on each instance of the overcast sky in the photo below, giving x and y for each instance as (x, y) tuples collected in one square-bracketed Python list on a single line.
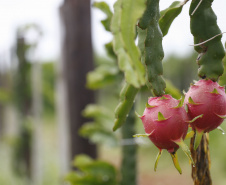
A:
[(14, 13)]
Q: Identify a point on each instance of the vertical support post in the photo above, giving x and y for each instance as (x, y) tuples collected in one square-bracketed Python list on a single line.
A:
[(37, 163), (77, 61)]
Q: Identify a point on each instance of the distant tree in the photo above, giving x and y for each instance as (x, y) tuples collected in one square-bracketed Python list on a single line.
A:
[(22, 100)]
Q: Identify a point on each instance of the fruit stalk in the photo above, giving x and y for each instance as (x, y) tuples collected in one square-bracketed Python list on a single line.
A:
[(201, 172), (129, 152)]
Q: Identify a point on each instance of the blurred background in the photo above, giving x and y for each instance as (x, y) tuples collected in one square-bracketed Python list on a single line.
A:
[(59, 86)]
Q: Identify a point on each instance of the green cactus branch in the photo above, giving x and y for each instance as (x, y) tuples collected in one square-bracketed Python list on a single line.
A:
[(103, 6), (168, 15), (152, 50), (147, 46), (127, 97), (150, 41), (129, 152), (126, 14), (203, 27)]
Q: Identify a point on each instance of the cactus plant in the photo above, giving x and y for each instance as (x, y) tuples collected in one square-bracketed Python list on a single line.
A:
[(207, 39)]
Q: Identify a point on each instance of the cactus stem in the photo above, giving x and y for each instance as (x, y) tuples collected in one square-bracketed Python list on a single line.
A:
[(157, 159), (196, 8), (175, 162)]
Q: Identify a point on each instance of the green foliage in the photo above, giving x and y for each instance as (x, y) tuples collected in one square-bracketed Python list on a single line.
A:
[(203, 27), (125, 17), (22, 78), (171, 89), (98, 132), (168, 15), (48, 87), (96, 111), (180, 70), (127, 96), (22, 83), (105, 8), (110, 50), (150, 55), (102, 76), (5, 96), (106, 72), (92, 172), (22, 150), (152, 49)]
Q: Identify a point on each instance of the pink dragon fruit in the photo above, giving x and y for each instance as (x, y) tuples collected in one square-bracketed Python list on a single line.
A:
[(206, 104), (166, 123)]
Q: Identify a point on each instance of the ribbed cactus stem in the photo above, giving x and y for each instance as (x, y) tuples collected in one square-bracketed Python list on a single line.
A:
[(153, 51), (129, 152), (127, 96), (203, 27)]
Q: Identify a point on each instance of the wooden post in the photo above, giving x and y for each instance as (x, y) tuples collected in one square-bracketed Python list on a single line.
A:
[(77, 60)]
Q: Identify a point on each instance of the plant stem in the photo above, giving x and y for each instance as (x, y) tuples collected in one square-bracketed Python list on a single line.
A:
[(201, 157), (129, 152)]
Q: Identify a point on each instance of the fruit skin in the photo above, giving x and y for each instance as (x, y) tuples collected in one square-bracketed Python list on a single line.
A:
[(162, 132), (209, 99)]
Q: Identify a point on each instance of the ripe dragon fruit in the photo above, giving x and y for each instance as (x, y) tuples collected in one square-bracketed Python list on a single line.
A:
[(166, 123), (206, 104)]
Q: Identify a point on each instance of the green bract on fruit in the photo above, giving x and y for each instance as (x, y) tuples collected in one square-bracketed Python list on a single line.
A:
[(206, 101), (166, 123)]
